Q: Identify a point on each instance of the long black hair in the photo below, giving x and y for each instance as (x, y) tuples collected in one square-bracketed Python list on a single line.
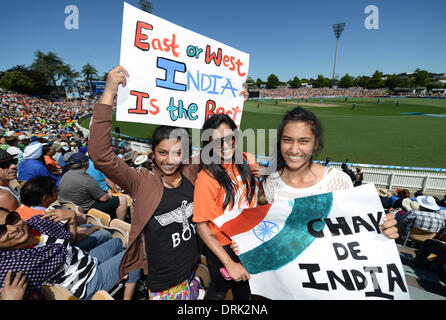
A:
[(216, 170), (296, 115)]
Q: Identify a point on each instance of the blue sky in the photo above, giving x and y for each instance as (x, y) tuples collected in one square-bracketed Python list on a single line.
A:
[(284, 37)]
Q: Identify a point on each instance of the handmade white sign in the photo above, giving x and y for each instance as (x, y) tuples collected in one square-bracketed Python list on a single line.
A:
[(327, 246), (177, 77)]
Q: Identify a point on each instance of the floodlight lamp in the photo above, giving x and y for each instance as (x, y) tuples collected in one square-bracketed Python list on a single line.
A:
[(338, 28)]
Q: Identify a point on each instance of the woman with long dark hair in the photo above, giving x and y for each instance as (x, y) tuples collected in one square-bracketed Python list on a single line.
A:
[(297, 176), (225, 182), (163, 241)]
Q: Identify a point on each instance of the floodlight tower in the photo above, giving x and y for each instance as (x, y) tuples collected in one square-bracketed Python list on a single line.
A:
[(146, 6), (337, 28)]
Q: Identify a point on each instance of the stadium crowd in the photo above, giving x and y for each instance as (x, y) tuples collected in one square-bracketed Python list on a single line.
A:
[(47, 177), (353, 92)]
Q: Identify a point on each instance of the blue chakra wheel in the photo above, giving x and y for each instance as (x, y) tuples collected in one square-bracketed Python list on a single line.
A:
[(265, 230)]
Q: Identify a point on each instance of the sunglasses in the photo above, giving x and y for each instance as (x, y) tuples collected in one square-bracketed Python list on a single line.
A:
[(7, 163), (12, 218), (230, 140)]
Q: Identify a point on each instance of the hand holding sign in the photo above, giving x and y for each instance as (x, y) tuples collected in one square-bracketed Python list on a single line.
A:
[(115, 77), (388, 227)]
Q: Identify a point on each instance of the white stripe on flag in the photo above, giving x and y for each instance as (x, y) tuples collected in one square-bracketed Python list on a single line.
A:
[(226, 216)]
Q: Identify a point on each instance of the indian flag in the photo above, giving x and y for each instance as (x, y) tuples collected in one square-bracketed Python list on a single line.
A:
[(327, 246)]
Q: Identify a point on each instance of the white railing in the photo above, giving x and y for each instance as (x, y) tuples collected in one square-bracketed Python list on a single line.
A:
[(392, 179), (381, 177)]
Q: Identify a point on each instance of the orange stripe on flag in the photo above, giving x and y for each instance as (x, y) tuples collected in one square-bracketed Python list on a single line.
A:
[(246, 221)]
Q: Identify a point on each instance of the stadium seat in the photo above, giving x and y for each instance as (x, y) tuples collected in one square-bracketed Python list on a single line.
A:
[(203, 273), (203, 260), (418, 235), (57, 292), (120, 229), (95, 216), (129, 202), (102, 295)]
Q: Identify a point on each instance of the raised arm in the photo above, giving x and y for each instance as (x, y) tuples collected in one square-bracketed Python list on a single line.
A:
[(100, 149)]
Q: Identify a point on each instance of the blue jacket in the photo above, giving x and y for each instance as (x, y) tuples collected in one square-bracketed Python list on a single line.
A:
[(31, 168)]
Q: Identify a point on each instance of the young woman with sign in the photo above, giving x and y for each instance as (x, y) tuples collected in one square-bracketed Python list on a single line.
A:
[(299, 139), (226, 181), (163, 241)]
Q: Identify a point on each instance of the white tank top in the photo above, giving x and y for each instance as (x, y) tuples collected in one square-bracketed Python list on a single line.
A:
[(277, 190)]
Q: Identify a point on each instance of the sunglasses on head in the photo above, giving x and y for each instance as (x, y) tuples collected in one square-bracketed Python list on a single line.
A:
[(7, 163), (12, 218)]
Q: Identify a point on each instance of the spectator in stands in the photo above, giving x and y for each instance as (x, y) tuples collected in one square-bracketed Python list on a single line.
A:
[(8, 201), (39, 193), (432, 246), (42, 249), (66, 156), (3, 144), (8, 172), (443, 202), (359, 177), (13, 289), (428, 218), (418, 193), (51, 164), (106, 184), (63, 150), (161, 197), (143, 161), (404, 196), (223, 184), (13, 148), (385, 197), (57, 151), (297, 176), (33, 165), (79, 187), (23, 142)]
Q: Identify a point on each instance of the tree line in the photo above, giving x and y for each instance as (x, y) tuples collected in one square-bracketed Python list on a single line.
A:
[(45, 73), (49, 70)]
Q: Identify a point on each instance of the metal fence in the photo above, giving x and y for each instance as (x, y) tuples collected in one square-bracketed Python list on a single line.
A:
[(426, 181)]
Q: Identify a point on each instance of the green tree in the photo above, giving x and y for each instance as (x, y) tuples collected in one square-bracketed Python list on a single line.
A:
[(421, 78), (89, 72), (23, 80), (250, 82), (295, 83), (272, 81), (321, 82), (104, 76), (363, 81), (51, 66), (69, 75), (376, 81), (346, 81), (259, 83)]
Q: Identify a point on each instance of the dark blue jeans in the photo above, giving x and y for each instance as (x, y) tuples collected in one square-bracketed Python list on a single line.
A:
[(93, 240), (109, 256)]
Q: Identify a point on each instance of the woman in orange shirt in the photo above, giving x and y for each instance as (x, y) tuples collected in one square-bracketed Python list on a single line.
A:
[(225, 182)]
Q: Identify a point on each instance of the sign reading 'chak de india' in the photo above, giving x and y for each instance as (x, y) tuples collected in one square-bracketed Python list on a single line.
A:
[(176, 76), (327, 246)]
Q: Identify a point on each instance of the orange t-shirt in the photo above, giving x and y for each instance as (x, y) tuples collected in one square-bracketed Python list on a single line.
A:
[(209, 197), (27, 212), (52, 165)]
